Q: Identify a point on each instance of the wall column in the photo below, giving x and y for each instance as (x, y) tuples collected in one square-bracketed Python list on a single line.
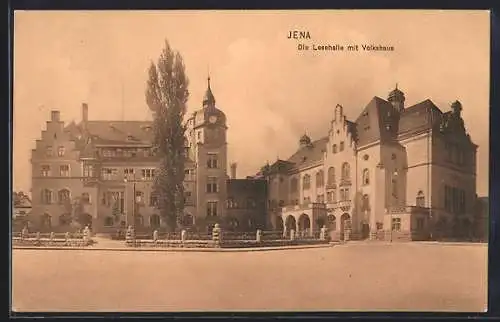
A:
[(377, 212)]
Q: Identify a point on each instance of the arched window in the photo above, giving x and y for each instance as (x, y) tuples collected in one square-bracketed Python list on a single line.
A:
[(109, 221), (420, 202), (46, 196), (331, 176), (64, 219), (365, 203), (320, 179), (154, 221), (306, 183), (346, 171), (366, 177), (334, 148), (294, 183), (85, 197), (63, 196)]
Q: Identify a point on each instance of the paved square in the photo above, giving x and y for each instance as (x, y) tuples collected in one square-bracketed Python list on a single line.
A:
[(355, 276)]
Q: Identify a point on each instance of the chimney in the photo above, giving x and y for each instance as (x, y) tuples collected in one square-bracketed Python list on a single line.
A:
[(55, 116), (233, 170), (85, 112)]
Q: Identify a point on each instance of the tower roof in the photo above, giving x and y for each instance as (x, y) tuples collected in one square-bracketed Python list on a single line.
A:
[(209, 98), (396, 95), (305, 140), (456, 106)]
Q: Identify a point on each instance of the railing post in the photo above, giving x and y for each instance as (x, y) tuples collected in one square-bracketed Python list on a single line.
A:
[(67, 237), (258, 235), (86, 236), (292, 234), (183, 235), (51, 238), (37, 238), (155, 236)]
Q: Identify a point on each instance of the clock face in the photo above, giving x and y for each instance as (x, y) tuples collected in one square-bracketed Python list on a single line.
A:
[(212, 119)]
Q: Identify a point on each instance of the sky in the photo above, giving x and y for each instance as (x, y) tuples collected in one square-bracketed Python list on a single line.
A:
[(271, 92)]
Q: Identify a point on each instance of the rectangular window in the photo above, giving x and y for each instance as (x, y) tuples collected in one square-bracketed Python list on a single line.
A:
[(45, 170), (153, 200), (60, 151), (396, 224), (48, 151), (88, 170), (212, 185), (212, 209), (148, 174), (64, 170), (109, 173), (341, 146), (128, 171), (212, 161)]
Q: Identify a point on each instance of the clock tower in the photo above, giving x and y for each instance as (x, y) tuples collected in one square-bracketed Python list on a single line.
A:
[(209, 150)]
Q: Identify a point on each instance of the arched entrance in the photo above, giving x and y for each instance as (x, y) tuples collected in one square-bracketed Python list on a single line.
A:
[(290, 224), (365, 230), (304, 225), (46, 220), (345, 222), (154, 221)]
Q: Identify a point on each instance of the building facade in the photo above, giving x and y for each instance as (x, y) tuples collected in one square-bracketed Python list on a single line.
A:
[(396, 172), (102, 173)]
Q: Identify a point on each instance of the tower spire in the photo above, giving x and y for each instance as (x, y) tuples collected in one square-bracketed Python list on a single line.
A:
[(208, 99)]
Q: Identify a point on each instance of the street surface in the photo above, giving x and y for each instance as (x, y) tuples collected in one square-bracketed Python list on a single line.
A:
[(358, 276)]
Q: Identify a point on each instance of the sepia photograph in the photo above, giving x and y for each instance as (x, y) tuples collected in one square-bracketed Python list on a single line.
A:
[(250, 161)]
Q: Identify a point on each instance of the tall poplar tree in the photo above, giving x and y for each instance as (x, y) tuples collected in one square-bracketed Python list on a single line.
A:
[(166, 95)]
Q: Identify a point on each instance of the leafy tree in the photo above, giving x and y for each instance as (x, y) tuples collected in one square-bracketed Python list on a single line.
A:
[(166, 95)]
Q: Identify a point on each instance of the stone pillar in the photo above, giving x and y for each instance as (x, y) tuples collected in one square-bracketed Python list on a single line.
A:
[(217, 235), (323, 233), (86, 235), (155, 236), (258, 235), (183, 235), (284, 231), (292, 234), (37, 237)]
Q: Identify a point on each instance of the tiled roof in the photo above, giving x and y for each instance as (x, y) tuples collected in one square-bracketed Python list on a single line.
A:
[(310, 154), (421, 116)]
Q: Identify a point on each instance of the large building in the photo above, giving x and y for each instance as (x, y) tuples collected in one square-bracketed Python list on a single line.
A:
[(102, 173), (396, 172)]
